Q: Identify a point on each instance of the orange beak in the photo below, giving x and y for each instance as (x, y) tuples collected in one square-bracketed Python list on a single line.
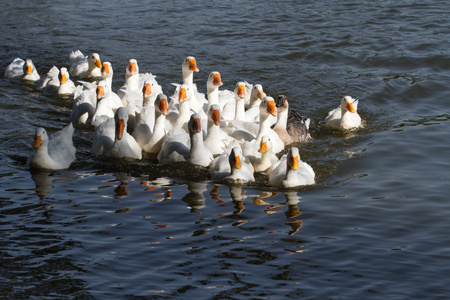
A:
[(120, 128), (37, 141), (163, 106), (263, 147), (63, 78), (100, 92), (237, 163), (197, 125), (132, 68), (217, 80), (105, 69), (271, 109), (29, 70), (261, 95), (216, 117), (193, 65), (295, 163), (182, 95), (147, 90), (98, 63), (350, 107), (241, 91)]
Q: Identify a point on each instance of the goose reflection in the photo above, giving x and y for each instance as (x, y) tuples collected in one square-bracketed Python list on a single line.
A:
[(238, 198), (214, 193), (292, 200), (44, 180), (162, 183), (123, 189), (195, 199)]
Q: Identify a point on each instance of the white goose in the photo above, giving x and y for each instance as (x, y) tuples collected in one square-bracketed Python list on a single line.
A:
[(198, 100), (20, 68), (145, 120), (85, 67), (84, 103), (252, 107), (216, 139), (252, 133), (111, 138), (225, 98), (51, 79), (54, 153), (149, 94), (178, 118), (30, 72), (124, 146), (15, 68), (177, 148), (267, 159), (151, 140), (107, 75), (239, 101), (291, 127), (344, 117), (66, 85), (291, 172), (106, 107), (232, 166)]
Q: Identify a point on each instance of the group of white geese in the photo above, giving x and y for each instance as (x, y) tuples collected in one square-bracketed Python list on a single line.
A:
[(234, 133)]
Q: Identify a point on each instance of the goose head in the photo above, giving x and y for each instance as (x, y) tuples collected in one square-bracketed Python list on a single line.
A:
[(282, 103), (266, 144), (40, 137), (256, 95), (161, 104), (101, 90), (147, 92), (132, 68), (349, 104), (94, 61), (214, 115), (121, 119), (213, 82), (28, 67), (194, 125), (239, 91), (107, 70), (63, 75), (184, 93), (189, 65), (267, 107), (188, 68), (235, 158), (293, 158)]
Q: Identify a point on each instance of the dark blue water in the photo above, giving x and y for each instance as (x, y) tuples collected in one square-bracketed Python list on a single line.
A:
[(375, 226)]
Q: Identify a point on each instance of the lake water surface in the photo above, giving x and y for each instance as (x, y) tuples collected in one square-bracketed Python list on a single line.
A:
[(375, 226)]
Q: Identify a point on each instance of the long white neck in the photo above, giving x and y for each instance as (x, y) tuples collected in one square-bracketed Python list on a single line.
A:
[(160, 124), (263, 125), (184, 113), (282, 118), (213, 130), (188, 77), (254, 100), (240, 109), (213, 96), (133, 82), (108, 83), (196, 142), (266, 158)]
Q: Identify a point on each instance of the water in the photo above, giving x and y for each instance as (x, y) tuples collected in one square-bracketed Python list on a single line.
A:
[(374, 226)]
